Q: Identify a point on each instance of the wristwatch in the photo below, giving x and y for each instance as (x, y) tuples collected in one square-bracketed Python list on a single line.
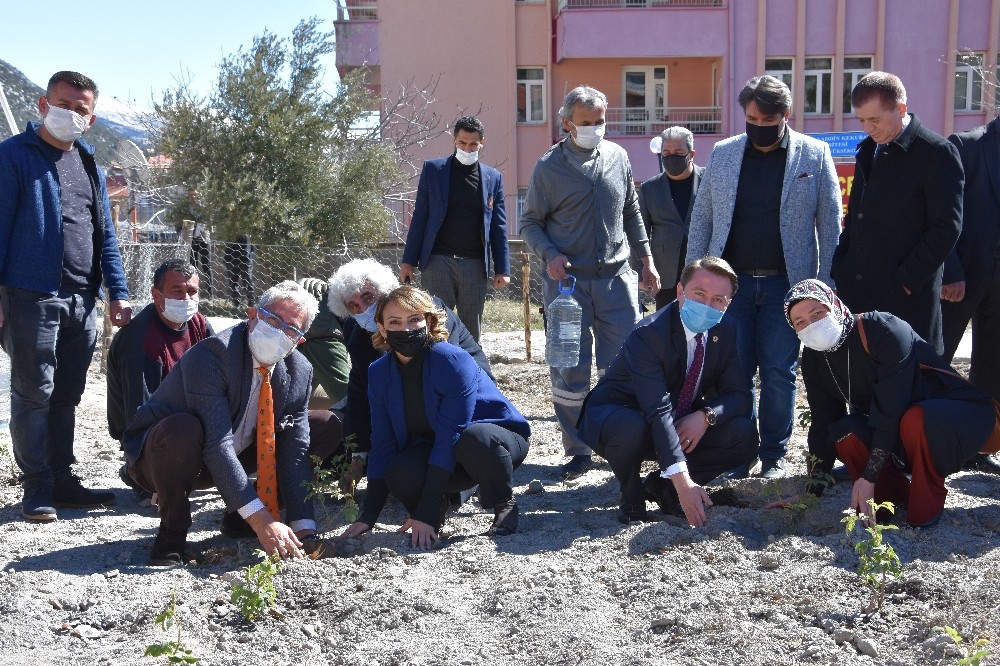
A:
[(711, 418)]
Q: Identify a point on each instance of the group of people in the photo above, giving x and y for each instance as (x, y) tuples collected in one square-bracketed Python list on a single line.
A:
[(756, 235)]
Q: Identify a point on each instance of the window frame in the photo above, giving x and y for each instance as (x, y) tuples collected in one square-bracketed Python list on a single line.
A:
[(529, 108), (970, 64)]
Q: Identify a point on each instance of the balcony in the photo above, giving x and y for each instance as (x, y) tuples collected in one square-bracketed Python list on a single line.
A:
[(356, 30), (357, 10), (630, 4), (622, 121)]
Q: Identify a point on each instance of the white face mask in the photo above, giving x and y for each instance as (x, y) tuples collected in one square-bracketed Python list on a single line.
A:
[(65, 125), (588, 136), (468, 159), (269, 344), (179, 311), (821, 335), (366, 319)]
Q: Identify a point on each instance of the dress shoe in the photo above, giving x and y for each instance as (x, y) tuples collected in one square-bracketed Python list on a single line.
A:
[(234, 527), (662, 492), (170, 549), (504, 518), (772, 469), (983, 462), (630, 513), (68, 492), (576, 467), (37, 504)]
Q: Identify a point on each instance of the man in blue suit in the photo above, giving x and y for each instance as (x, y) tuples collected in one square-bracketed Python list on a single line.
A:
[(459, 223)]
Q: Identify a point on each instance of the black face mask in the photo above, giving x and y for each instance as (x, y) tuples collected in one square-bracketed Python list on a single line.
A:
[(676, 164), (407, 343), (763, 136)]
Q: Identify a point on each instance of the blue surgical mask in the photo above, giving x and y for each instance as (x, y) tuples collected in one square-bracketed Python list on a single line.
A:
[(699, 317), (366, 319)]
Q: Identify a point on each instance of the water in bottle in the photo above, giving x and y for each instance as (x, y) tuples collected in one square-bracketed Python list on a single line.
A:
[(563, 317)]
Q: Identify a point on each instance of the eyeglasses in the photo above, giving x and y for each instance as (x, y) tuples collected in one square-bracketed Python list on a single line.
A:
[(274, 320)]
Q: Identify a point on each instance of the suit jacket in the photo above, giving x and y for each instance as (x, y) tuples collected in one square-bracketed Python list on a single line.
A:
[(903, 219), (432, 204), (972, 259), (648, 375), (457, 393), (667, 227), (213, 382), (810, 205)]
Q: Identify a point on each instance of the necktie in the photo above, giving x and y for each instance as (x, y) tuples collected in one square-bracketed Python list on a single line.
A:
[(691, 381), (267, 474)]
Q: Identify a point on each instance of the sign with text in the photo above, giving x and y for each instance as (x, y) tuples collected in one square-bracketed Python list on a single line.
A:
[(845, 175), (842, 144)]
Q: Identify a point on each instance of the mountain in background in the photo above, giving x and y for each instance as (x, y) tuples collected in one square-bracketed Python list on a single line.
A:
[(115, 121)]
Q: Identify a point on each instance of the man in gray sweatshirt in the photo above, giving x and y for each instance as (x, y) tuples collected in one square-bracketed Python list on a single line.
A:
[(582, 219)]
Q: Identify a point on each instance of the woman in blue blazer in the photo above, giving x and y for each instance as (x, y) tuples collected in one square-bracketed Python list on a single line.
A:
[(439, 424)]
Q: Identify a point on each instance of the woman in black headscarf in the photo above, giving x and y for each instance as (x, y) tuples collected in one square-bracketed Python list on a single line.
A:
[(884, 403)]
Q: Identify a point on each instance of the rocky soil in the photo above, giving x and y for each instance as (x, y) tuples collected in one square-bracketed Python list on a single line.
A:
[(572, 587)]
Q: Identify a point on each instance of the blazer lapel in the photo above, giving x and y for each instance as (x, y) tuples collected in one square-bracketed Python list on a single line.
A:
[(668, 195), (444, 184), (679, 342), (792, 168)]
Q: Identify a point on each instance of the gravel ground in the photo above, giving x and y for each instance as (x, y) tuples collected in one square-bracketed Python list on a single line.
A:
[(572, 587)]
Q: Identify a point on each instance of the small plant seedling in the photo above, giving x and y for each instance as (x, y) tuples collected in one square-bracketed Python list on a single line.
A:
[(335, 482), (255, 593), (805, 418), (878, 560), (174, 650), (972, 655), (815, 478)]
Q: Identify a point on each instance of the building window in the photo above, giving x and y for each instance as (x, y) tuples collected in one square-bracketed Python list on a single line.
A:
[(522, 198), (644, 90), (969, 81), (780, 68), (818, 78), (854, 68), (531, 95)]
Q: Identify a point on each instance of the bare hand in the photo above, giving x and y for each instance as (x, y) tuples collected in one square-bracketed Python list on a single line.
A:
[(422, 535), (405, 273), (500, 281), (690, 430), (556, 269), (277, 538), (121, 313), (693, 499), (783, 503), (953, 291), (861, 492), (650, 278), (353, 530)]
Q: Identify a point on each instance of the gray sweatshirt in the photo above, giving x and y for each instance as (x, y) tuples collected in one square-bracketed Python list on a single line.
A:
[(586, 219)]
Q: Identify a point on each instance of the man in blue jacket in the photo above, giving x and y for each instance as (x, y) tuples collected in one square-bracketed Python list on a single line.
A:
[(57, 243), (459, 223)]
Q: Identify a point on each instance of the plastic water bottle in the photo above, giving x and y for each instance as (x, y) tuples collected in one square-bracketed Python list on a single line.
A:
[(563, 317)]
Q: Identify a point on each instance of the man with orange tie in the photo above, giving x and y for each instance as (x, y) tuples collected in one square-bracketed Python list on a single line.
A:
[(233, 404)]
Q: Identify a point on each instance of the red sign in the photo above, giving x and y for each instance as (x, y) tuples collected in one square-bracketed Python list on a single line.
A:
[(845, 174)]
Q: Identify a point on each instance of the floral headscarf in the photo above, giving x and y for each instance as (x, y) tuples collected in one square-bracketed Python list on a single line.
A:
[(818, 291)]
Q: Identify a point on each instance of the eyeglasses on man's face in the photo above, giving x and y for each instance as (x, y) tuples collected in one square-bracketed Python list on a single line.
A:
[(277, 322)]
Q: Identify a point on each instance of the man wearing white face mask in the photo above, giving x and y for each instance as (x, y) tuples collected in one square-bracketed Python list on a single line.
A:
[(144, 352), (57, 245), (459, 225), (235, 403), (582, 218)]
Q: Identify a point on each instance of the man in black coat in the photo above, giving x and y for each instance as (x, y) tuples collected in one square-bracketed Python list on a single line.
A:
[(904, 214), (675, 393)]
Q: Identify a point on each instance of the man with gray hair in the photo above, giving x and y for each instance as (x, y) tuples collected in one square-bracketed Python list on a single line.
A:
[(233, 404), (769, 204), (582, 218), (665, 202)]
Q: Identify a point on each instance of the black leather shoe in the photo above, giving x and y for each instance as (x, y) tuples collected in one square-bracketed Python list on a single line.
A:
[(983, 462), (662, 492), (630, 514), (170, 549), (234, 527), (68, 492), (576, 467), (504, 518)]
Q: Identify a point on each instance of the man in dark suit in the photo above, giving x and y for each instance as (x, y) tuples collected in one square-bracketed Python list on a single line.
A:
[(459, 223), (206, 426), (971, 290), (666, 201), (675, 394), (904, 214)]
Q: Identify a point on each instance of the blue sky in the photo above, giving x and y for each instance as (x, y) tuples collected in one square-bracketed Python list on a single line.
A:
[(135, 50)]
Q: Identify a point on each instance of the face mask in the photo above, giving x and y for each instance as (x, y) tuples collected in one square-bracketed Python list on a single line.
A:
[(588, 136), (675, 165), (179, 311), (366, 319), (407, 343), (65, 125), (821, 335), (765, 135), (468, 159), (699, 317), (269, 344)]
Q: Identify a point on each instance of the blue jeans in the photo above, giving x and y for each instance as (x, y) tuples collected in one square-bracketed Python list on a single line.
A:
[(766, 342), (610, 309), (50, 341)]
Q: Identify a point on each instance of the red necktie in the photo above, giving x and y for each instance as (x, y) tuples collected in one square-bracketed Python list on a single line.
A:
[(691, 381), (267, 473)]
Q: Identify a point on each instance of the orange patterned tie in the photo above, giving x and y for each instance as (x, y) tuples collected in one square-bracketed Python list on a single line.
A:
[(267, 474)]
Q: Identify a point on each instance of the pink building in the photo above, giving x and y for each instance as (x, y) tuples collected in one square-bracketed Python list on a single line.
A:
[(667, 62)]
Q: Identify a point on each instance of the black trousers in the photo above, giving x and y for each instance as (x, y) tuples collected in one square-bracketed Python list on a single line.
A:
[(981, 306), (486, 454), (626, 440)]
